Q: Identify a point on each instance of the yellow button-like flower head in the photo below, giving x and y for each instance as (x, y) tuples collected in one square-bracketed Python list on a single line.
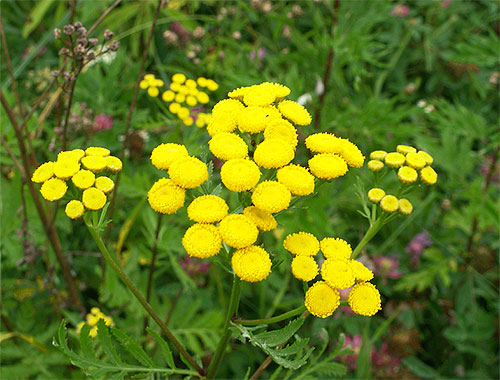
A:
[(389, 203), (327, 166), (375, 165), (238, 93), (83, 179), (427, 157), (322, 300), (294, 112), (378, 155), (53, 189), (74, 209), (361, 273), (75, 154), (66, 168), (165, 196), (428, 175), (240, 174), (271, 196), (297, 179), (44, 172), (304, 268), (105, 184), (168, 96), (405, 206), (114, 164), (228, 106), (351, 154), (335, 248), (407, 174), (364, 299), (405, 149), (202, 240), (301, 244), (281, 129), (394, 159), (221, 122), (238, 231), (178, 78), (207, 209), (258, 96), (93, 198), (95, 163), (251, 264), (415, 160), (255, 119), (262, 219), (273, 153), (337, 273), (164, 154), (375, 195), (226, 146), (188, 172), (97, 151)]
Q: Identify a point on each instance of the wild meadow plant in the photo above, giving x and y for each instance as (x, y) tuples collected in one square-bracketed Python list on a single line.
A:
[(254, 139)]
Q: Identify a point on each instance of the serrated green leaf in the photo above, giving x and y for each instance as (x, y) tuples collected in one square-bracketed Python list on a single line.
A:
[(133, 347), (291, 349), (86, 342), (277, 337), (330, 370), (165, 349), (107, 344), (292, 364)]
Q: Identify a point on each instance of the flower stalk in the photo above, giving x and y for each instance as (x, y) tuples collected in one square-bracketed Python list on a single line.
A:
[(370, 234)]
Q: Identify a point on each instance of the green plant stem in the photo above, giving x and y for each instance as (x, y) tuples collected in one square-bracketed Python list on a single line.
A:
[(221, 346), (141, 299), (276, 318), (372, 231)]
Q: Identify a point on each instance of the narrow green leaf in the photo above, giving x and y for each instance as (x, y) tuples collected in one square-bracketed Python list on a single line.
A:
[(36, 16), (330, 370), (86, 342), (277, 337), (165, 349), (419, 368), (133, 347), (107, 344)]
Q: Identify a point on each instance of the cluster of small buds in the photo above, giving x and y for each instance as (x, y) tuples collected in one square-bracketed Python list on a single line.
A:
[(55, 178), (339, 272), (296, 11), (80, 48), (92, 318), (183, 94)]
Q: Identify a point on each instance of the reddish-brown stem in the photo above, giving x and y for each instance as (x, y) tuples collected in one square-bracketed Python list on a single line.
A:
[(50, 232)]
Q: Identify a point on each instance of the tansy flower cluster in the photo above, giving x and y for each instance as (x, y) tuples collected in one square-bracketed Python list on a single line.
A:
[(338, 271), (92, 318), (411, 165), (183, 94), (85, 174), (254, 133)]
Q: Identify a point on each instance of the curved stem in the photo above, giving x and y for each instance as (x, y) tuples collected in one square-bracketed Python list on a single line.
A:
[(372, 231), (111, 262), (276, 318), (152, 266), (221, 346)]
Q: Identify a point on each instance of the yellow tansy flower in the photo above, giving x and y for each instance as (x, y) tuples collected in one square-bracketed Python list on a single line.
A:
[(66, 168), (113, 164), (202, 241), (240, 174), (294, 112), (238, 231), (93, 198), (202, 97), (164, 154), (327, 166), (74, 209), (323, 143), (178, 78), (174, 108), (337, 273), (165, 196), (389, 203), (97, 151), (375, 165), (153, 92), (364, 299), (351, 154), (427, 157), (405, 206), (301, 244), (75, 154), (428, 175), (168, 96), (228, 106), (405, 149), (83, 179), (297, 179), (254, 119), (221, 123), (335, 248), (407, 174), (53, 189), (375, 195), (262, 219), (273, 153), (361, 273), (378, 155), (251, 264), (95, 163), (207, 209), (183, 113), (271, 196), (104, 184), (258, 96), (281, 129), (415, 160), (188, 172), (44, 172), (394, 159), (322, 300), (212, 85), (304, 268), (226, 146)]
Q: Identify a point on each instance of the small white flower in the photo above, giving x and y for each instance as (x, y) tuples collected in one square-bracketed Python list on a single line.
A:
[(303, 99), (320, 87), (421, 103)]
